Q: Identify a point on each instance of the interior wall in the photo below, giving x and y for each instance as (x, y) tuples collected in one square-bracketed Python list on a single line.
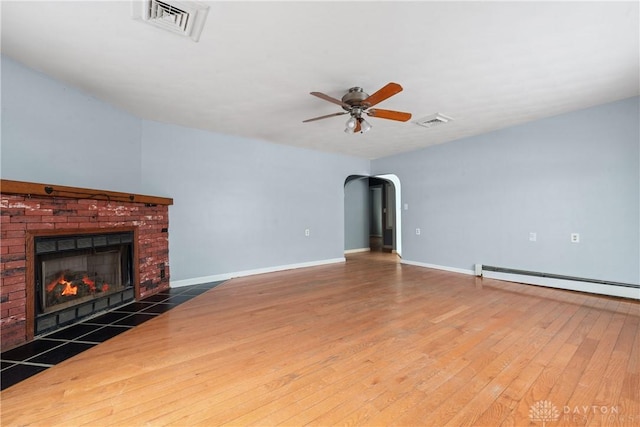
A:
[(477, 200), (242, 204), (356, 214), (54, 133)]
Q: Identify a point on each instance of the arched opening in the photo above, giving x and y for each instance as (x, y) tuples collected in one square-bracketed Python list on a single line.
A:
[(373, 217)]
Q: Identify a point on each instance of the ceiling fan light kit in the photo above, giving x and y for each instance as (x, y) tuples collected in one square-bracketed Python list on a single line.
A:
[(357, 102), (355, 125)]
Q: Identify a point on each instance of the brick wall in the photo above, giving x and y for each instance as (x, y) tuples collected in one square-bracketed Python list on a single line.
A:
[(22, 213)]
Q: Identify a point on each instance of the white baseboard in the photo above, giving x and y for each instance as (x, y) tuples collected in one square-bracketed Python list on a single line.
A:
[(572, 285), (438, 267), (227, 276), (355, 251)]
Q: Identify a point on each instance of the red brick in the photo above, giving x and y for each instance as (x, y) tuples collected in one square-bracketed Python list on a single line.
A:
[(8, 305), (17, 287), (79, 219), (73, 225), (54, 218), (38, 211), (13, 264), (13, 234), (17, 249), (19, 294), (12, 211), (118, 219), (8, 258), (41, 226), (14, 226), (17, 311), (53, 204), (14, 280), (17, 241), (28, 219)]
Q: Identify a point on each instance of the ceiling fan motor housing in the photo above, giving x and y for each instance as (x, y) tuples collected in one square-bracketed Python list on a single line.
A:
[(354, 97)]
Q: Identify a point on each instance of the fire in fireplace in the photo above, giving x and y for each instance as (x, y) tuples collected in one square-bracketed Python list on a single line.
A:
[(79, 275)]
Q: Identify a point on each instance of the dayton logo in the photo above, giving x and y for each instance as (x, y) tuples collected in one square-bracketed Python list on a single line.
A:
[(544, 411)]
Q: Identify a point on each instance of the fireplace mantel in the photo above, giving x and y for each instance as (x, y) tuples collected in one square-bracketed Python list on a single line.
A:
[(28, 210), (49, 190)]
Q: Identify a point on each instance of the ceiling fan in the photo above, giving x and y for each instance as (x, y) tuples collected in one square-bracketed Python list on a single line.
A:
[(356, 103)]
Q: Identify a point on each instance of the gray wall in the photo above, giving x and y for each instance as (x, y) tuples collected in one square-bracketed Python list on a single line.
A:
[(238, 204), (53, 133), (476, 200), (356, 214), (241, 204)]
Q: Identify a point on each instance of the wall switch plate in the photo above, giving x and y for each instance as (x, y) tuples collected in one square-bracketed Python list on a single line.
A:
[(307, 232), (533, 237), (575, 238), (417, 231), (406, 206)]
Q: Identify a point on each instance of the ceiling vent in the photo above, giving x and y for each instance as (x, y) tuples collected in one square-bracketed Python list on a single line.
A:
[(182, 17), (433, 120)]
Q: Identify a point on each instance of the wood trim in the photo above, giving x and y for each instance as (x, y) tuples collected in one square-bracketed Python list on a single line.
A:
[(136, 263), (30, 309), (49, 190), (30, 303)]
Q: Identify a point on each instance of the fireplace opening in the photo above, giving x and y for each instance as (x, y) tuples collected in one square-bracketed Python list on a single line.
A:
[(77, 276)]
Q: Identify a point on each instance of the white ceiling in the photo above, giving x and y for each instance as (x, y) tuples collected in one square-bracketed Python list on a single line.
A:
[(488, 65)]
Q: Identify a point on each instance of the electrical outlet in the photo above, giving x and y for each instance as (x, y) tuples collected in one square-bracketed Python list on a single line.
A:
[(417, 231), (307, 232), (533, 237), (575, 238)]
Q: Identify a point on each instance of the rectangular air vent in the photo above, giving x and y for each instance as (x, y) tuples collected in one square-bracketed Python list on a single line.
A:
[(169, 16), (181, 17), (433, 120)]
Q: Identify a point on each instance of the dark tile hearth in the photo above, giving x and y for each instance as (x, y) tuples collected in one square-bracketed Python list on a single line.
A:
[(58, 354), (44, 352)]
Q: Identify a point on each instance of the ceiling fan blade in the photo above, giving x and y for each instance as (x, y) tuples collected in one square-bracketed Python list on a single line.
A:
[(389, 114), (358, 128), (387, 91), (325, 117), (330, 99)]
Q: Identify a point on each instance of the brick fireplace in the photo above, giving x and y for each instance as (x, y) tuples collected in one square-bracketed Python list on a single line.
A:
[(38, 220)]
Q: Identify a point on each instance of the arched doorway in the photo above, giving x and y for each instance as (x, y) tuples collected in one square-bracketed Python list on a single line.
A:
[(369, 199)]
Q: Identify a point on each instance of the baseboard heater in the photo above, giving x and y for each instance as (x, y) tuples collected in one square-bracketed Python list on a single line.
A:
[(592, 285)]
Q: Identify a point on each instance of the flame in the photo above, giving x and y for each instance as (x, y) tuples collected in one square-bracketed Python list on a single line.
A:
[(54, 282), (69, 289), (90, 283)]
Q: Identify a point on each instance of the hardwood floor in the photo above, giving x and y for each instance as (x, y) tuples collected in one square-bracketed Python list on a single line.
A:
[(368, 342)]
